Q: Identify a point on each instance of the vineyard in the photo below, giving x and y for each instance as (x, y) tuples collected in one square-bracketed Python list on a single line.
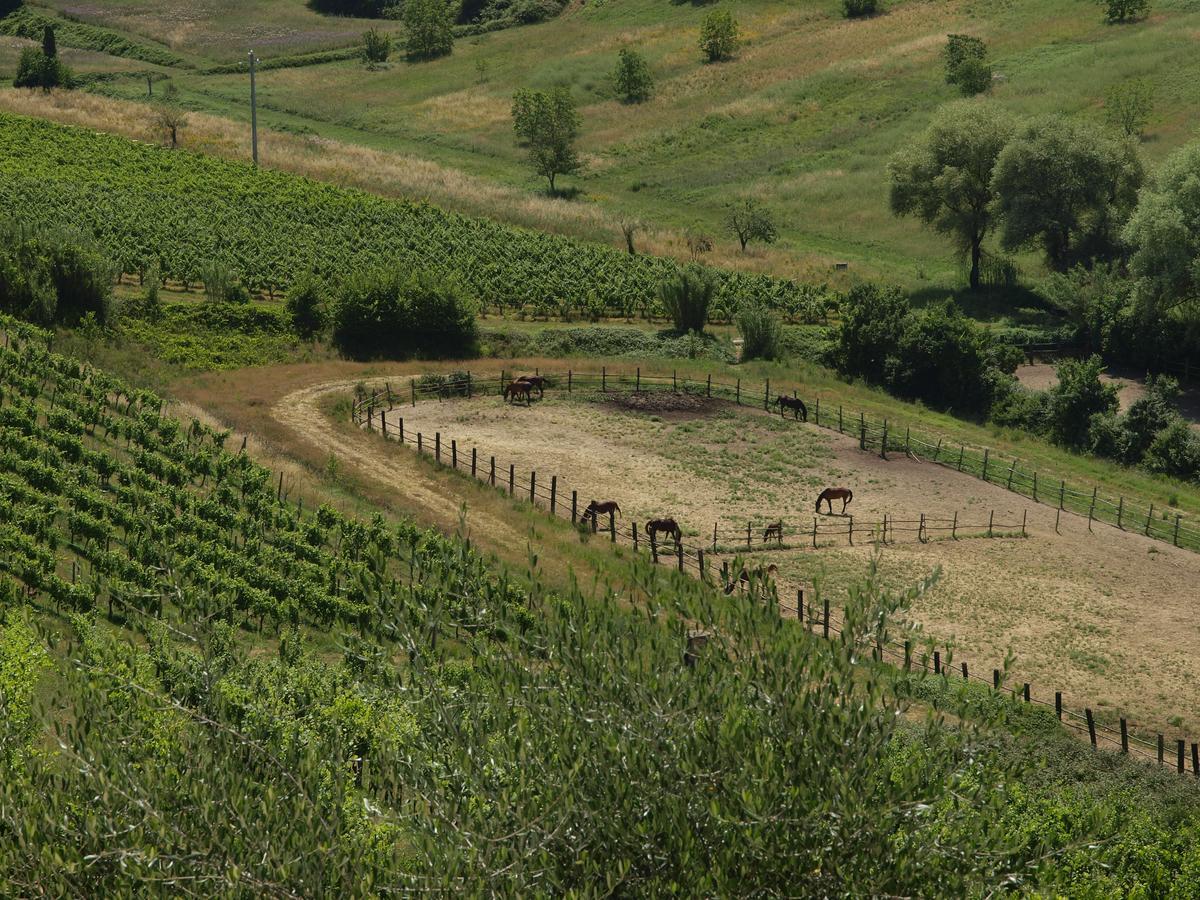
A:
[(179, 212)]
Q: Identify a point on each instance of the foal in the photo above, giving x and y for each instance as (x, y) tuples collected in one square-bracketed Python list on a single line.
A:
[(595, 509), (523, 388), (774, 530)]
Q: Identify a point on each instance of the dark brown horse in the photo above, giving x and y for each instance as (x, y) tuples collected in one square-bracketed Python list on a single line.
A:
[(670, 526), (594, 509), (519, 388), (537, 381), (795, 404), (830, 494), (752, 573), (775, 530)]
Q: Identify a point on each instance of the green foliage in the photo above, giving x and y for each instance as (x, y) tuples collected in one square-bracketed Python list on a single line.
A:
[(377, 45), (35, 69), (750, 222), (430, 29), (1124, 10), (761, 333), (719, 35), (873, 321), (211, 336), (391, 312), (49, 45), (53, 276), (1128, 105), (305, 306), (547, 123), (945, 177), (853, 9), (221, 285), (360, 9), (1078, 396), (686, 297), (22, 659), (1067, 186), (967, 65), (24, 22), (631, 78)]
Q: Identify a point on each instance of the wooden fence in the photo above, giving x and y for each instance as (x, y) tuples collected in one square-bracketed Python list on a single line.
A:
[(372, 412)]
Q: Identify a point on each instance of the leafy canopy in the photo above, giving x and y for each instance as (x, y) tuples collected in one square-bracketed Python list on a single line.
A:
[(548, 124)]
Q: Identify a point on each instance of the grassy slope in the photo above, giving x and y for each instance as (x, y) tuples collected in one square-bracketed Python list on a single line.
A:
[(804, 119)]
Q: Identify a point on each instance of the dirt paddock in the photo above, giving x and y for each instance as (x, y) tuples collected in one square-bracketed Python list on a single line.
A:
[(1107, 618)]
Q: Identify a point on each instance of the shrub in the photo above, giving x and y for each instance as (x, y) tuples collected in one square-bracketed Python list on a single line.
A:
[(360, 9), (54, 276), (719, 35), (687, 296), (632, 77), (760, 331), (1125, 10), (1175, 451), (853, 9), (392, 312), (974, 76), (872, 322), (35, 69), (377, 46), (430, 32), (942, 357), (305, 306), (220, 285), (1078, 396)]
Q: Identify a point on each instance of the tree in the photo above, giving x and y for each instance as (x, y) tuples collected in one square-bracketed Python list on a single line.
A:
[(430, 29), (687, 296), (169, 116), (1164, 236), (1124, 10), (873, 321), (966, 64), (377, 46), (698, 243), (42, 67), (719, 35), (49, 45), (945, 177), (632, 76), (1078, 396), (547, 123), (1128, 105), (1066, 185), (629, 228), (750, 222), (855, 9), (305, 306)]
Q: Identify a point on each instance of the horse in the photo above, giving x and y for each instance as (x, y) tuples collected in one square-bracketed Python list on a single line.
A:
[(670, 526), (795, 404), (537, 381), (775, 529), (519, 387), (758, 573), (830, 494), (594, 509)]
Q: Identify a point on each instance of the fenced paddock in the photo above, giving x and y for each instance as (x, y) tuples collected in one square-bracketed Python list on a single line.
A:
[(1089, 615)]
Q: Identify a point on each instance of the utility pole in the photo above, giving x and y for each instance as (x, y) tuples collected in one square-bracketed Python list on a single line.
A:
[(253, 110)]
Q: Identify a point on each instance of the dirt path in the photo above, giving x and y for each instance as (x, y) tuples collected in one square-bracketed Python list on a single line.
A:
[(1107, 618)]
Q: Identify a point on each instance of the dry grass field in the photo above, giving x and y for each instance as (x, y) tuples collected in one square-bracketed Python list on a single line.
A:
[(1105, 617)]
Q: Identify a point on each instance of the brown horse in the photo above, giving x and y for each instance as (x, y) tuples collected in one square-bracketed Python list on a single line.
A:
[(670, 526), (594, 509), (795, 404), (830, 494), (774, 530), (752, 573), (522, 388), (537, 381)]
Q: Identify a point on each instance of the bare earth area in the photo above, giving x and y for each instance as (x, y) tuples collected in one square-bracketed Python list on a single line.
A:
[(1107, 618)]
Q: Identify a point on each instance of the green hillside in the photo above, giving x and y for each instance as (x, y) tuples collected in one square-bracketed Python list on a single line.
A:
[(803, 119)]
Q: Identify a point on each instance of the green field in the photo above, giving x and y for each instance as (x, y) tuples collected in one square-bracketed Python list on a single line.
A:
[(803, 119)]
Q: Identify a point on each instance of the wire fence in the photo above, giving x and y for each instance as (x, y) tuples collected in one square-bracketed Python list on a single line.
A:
[(700, 560), (1160, 523)]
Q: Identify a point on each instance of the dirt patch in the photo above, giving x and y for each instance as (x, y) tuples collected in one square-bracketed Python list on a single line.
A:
[(674, 405)]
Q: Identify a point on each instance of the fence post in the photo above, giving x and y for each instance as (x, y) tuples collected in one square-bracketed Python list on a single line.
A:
[(470, 390), (637, 384), (839, 419), (714, 537), (1024, 516), (1091, 723), (603, 379), (454, 453), (1035, 497), (1124, 736), (1120, 512), (575, 512), (1196, 760), (1058, 704), (767, 395), (883, 442), (995, 679), (413, 384), (512, 478), (1011, 470), (1175, 540), (991, 518), (826, 619), (700, 564), (964, 671), (739, 392), (1092, 508), (1180, 757), (612, 526), (937, 662), (388, 385), (986, 453), (402, 429), (653, 545), (419, 448), (1025, 691), (570, 378), (553, 493), (954, 527), (885, 515), (862, 432), (474, 460), (492, 476), (961, 450), (1149, 516), (907, 656), (817, 414), (674, 382), (383, 421), (852, 531), (937, 451), (437, 446), (679, 553), (1062, 494), (1161, 749), (749, 545), (814, 532), (635, 537), (921, 530), (532, 486), (908, 441)]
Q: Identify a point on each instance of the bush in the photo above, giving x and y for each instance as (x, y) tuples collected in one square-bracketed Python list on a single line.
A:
[(632, 77), (55, 276), (392, 312), (377, 46), (853, 9), (35, 69), (687, 296), (1078, 396), (719, 35), (760, 331), (360, 9), (220, 285), (1175, 451), (430, 32), (1125, 10), (305, 306), (944, 358), (872, 322), (974, 76)]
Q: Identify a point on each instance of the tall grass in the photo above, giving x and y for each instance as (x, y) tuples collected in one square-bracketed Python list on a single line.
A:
[(687, 297), (762, 336)]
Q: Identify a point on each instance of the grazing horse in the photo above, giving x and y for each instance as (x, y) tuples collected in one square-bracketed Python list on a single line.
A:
[(519, 388), (537, 381), (595, 509), (755, 573), (670, 526), (795, 404), (830, 494), (775, 529)]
